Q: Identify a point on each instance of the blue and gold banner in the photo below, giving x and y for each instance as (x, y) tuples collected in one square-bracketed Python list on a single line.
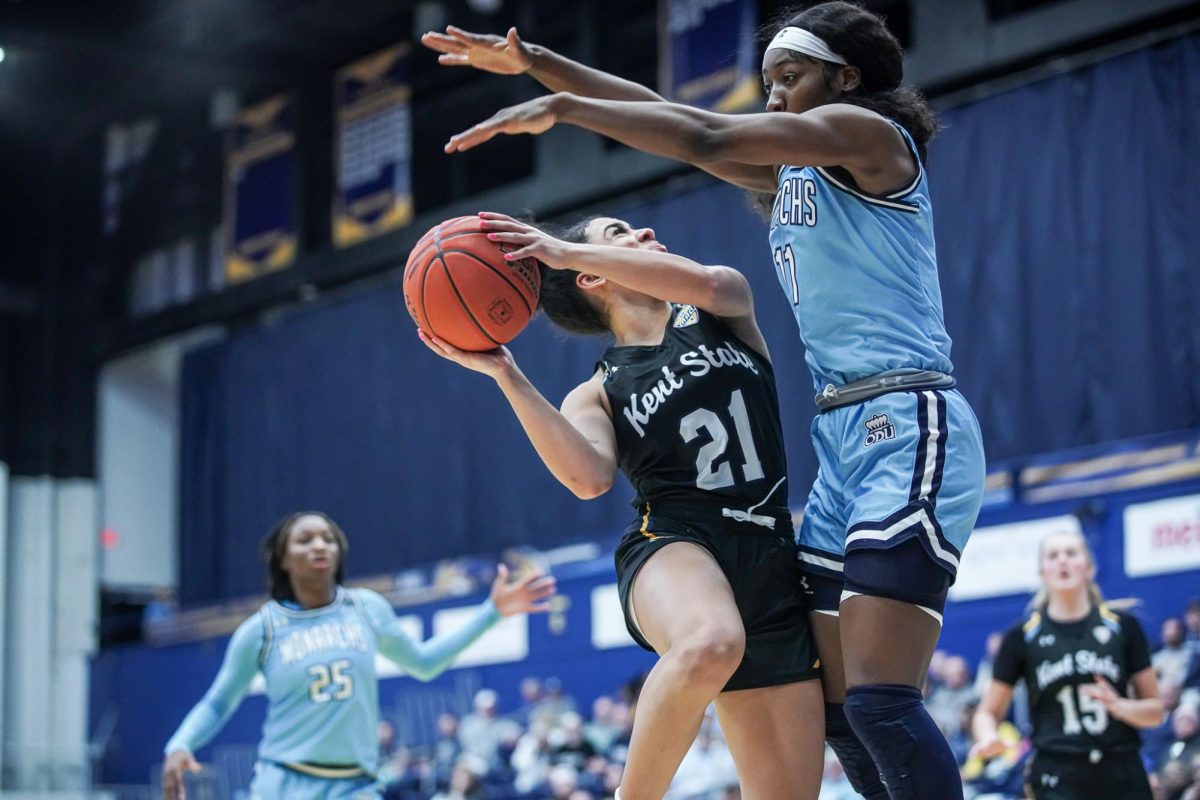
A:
[(260, 220), (372, 146), (708, 55)]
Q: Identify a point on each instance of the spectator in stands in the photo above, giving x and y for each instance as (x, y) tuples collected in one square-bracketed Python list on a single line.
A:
[(1191, 619), (1185, 724), (481, 731), (983, 672), (531, 757), (531, 694), (601, 730), (1091, 685), (1156, 741), (562, 782), (315, 643), (569, 746), (466, 781), (446, 749), (1172, 659), (947, 701), (554, 701)]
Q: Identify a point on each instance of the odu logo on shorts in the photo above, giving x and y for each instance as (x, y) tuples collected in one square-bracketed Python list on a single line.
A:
[(878, 430)]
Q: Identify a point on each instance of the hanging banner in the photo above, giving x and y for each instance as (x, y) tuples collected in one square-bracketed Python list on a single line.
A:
[(708, 56), (260, 223), (372, 147)]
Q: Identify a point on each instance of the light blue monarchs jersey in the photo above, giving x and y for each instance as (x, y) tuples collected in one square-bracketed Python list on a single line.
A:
[(321, 684), (322, 692), (860, 272)]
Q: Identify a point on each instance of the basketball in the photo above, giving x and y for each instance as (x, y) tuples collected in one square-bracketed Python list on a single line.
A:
[(458, 287)]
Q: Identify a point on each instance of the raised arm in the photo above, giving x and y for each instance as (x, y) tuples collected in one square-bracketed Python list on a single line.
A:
[(428, 659), (835, 134), (510, 55), (721, 291), (577, 444), (207, 717)]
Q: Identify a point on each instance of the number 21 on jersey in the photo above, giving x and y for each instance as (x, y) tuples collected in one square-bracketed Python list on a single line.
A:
[(712, 477)]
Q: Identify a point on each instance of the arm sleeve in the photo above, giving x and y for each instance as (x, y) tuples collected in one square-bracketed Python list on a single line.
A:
[(423, 660), (1010, 661), (1137, 648), (208, 716)]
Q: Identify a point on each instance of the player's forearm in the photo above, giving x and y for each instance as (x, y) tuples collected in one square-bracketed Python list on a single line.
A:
[(565, 451), (984, 725), (721, 291), (432, 657), (200, 725), (560, 74), (1140, 713), (663, 129)]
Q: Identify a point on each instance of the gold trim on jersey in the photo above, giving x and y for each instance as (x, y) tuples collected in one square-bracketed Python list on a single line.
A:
[(646, 524), (1035, 619), (327, 770), (1108, 614)]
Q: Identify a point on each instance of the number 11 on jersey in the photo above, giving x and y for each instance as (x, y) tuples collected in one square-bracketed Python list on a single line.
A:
[(785, 262)]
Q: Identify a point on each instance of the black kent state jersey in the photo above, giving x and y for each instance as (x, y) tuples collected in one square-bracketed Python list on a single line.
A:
[(697, 423), (1055, 659)]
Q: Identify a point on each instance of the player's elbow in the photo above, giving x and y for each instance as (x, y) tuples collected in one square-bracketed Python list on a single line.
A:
[(590, 489), (728, 292)]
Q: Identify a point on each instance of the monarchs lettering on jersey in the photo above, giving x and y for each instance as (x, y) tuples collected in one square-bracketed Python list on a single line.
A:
[(298, 645), (796, 202), (697, 412)]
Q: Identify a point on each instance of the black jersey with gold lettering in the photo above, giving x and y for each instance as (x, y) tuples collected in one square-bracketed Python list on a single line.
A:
[(1055, 659), (697, 424)]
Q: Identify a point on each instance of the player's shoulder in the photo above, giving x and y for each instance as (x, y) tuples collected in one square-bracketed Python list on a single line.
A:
[(367, 598), (254, 627), (1118, 617), (1029, 626)]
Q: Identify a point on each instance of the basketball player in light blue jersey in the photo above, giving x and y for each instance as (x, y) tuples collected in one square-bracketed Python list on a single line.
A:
[(901, 460), (315, 643)]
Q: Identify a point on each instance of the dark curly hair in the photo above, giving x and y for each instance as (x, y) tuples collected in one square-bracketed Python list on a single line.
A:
[(862, 38), (279, 586), (561, 298)]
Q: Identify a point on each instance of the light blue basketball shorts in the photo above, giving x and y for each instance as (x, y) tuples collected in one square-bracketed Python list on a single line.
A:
[(898, 489), (275, 782)]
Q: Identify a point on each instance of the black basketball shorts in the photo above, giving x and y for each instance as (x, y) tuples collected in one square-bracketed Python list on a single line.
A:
[(1095, 776), (765, 577)]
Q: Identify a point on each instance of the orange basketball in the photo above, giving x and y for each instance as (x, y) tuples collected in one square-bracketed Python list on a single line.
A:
[(459, 288)]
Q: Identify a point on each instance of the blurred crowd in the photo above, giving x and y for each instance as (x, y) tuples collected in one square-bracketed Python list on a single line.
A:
[(548, 749)]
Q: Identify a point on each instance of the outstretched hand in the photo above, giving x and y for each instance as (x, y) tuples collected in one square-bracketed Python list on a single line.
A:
[(525, 595), (531, 242), (176, 764), (533, 116), (493, 363), (503, 55)]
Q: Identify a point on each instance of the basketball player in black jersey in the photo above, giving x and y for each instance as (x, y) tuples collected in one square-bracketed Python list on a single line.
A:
[(684, 404), (1080, 659)]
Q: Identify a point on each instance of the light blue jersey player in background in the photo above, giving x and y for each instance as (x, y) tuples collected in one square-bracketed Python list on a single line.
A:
[(901, 464), (315, 643)]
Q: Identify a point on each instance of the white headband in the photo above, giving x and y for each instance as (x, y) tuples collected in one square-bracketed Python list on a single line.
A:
[(802, 41)]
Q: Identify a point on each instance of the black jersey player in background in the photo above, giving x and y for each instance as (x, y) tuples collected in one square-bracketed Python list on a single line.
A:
[(684, 404), (1080, 658)]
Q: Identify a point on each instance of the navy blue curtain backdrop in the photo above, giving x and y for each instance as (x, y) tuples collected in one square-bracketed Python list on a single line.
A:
[(1068, 230)]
